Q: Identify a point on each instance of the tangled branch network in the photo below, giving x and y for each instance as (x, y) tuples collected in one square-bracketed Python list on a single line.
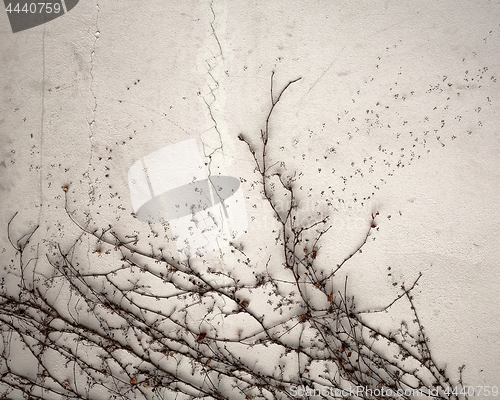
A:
[(148, 326)]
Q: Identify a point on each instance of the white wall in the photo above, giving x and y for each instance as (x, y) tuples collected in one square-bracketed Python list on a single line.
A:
[(406, 94)]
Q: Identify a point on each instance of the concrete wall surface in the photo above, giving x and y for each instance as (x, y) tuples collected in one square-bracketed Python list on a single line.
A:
[(396, 112)]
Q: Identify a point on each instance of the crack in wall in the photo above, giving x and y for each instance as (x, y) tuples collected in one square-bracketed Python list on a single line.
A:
[(214, 65), (92, 122), (213, 84), (213, 28), (42, 122)]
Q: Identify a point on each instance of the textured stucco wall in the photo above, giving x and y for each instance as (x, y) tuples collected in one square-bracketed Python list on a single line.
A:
[(397, 110)]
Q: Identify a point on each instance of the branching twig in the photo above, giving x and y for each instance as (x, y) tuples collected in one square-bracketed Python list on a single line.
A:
[(144, 327)]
